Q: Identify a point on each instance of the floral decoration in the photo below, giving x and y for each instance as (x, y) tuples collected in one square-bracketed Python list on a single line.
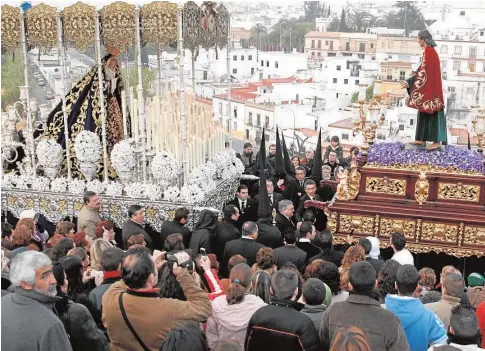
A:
[(123, 156), (9, 180), (192, 194), (95, 185), (449, 158), (49, 153), (22, 181), (171, 194), (59, 185), (135, 190), (114, 189), (77, 186), (87, 147), (153, 192), (41, 184), (165, 167)]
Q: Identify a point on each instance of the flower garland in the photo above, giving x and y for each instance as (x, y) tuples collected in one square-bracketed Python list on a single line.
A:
[(153, 192), (49, 153), (171, 194), (135, 190), (114, 189), (41, 184), (123, 156), (77, 186), (87, 147), (192, 194), (165, 167), (96, 186), (59, 185)]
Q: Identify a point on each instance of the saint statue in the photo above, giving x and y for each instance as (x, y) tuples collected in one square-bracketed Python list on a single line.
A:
[(426, 95), (84, 110)]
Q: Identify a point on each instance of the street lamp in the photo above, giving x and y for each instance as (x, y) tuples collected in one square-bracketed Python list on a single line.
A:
[(369, 116)]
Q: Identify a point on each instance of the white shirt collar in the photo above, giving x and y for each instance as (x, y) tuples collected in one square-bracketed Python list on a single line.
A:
[(304, 240)]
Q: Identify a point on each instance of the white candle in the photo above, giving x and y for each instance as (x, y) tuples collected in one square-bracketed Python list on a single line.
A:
[(123, 111)]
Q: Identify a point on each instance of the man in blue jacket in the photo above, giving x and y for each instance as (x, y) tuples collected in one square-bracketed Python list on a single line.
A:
[(422, 327)]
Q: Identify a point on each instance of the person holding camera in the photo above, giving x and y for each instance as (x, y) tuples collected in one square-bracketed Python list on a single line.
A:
[(146, 318)]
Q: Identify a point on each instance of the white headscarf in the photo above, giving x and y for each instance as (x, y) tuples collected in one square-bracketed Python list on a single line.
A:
[(375, 252)]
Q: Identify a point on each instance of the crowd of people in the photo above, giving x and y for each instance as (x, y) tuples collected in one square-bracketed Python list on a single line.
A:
[(265, 276)]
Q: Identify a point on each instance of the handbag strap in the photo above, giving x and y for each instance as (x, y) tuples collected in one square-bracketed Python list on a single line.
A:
[(125, 317)]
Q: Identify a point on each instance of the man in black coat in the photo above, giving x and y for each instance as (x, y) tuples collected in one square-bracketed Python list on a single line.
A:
[(246, 246), (176, 226), (111, 263), (324, 240), (248, 208), (280, 325), (320, 217), (284, 219), (300, 177), (226, 230), (307, 234), (133, 226), (273, 197), (290, 252)]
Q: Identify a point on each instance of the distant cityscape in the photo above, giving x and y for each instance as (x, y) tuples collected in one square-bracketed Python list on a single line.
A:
[(300, 73)]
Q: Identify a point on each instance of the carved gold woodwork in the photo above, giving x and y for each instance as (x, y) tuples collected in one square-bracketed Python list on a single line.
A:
[(459, 191), (474, 235), (118, 25), (439, 232), (159, 23), (11, 37), (389, 226), (331, 221), (385, 185), (361, 224), (417, 167), (348, 188), (79, 26), (421, 189), (41, 25)]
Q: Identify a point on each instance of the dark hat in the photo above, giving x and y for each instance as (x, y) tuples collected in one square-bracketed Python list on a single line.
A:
[(279, 166), (317, 159), (264, 208), (288, 166)]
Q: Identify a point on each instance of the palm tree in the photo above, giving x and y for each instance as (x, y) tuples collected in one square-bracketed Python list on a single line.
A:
[(258, 30), (359, 20)]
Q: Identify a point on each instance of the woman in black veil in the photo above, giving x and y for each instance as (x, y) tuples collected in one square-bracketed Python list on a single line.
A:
[(84, 111)]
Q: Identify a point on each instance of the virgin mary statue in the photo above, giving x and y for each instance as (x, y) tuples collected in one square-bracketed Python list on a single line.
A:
[(84, 110)]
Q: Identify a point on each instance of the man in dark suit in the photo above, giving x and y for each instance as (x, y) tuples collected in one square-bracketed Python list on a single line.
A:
[(246, 246), (273, 197), (284, 219), (176, 226), (300, 176), (290, 252), (248, 208), (133, 226), (320, 217), (307, 234), (226, 230)]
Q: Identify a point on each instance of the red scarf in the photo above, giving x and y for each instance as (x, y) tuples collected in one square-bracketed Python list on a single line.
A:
[(426, 93)]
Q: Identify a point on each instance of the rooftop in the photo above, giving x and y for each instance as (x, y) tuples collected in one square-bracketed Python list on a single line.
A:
[(343, 124)]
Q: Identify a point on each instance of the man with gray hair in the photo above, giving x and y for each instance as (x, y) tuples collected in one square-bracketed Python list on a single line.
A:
[(247, 247), (29, 320), (284, 219), (280, 325)]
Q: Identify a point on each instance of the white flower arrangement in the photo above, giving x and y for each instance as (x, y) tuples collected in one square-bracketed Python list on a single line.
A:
[(114, 189), (59, 185), (239, 166), (192, 194), (77, 186), (22, 182), (165, 167), (49, 153), (87, 147), (249, 177), (41, 184), (210, 169), (123, 156), (171, 194), (153, 192), (135, 190), (228, 173), (96, 186), (9, 180)]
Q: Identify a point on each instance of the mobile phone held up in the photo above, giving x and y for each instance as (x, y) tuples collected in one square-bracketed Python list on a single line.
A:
[(203, 252)]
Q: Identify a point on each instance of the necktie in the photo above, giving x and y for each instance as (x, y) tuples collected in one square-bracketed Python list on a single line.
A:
[(270, 200), (243, 206), (301, 183)]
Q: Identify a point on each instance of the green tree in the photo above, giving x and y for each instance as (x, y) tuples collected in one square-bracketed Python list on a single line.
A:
[(334, 26), (343, 22), (369, 92), (359, 20), (258, 31), (406, 16), (12, 78), (314, 9), (355, 96), (148, 76)]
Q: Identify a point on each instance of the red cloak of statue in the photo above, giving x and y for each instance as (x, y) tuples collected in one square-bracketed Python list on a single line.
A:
[(426, 90)]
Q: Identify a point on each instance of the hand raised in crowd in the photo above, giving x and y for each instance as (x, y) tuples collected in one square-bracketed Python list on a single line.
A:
[(205, 263), (87, 276), (178, 271), (159, 259), (280, 182)]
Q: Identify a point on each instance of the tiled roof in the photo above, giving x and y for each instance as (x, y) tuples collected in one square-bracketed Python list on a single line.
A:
[(343, 124)]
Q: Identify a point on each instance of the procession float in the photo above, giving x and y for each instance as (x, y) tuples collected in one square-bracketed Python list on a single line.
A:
[(161, 152)]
